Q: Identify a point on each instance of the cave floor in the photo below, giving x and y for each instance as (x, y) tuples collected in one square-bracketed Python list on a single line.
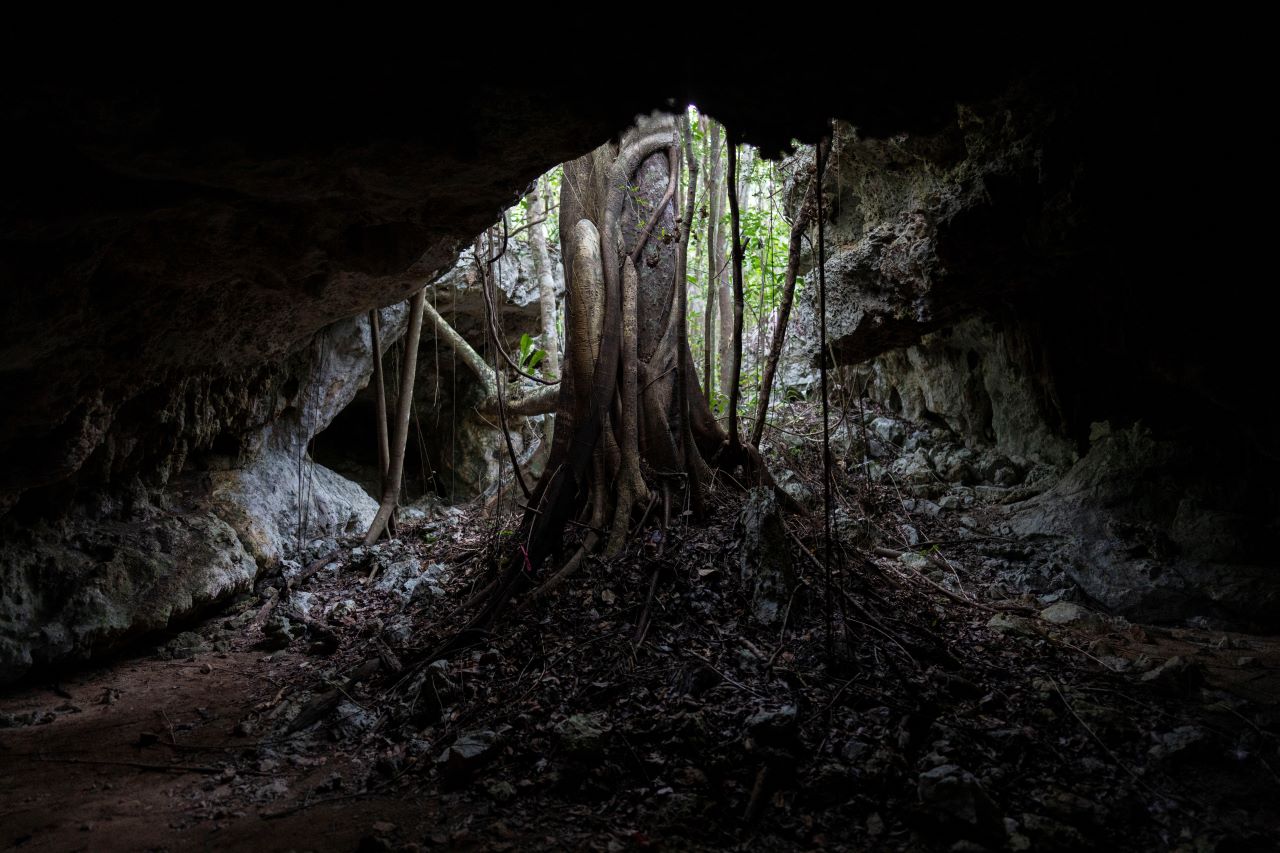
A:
[(947, 717)]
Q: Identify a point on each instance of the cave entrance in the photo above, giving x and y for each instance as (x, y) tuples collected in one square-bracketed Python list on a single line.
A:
[(455, 450)]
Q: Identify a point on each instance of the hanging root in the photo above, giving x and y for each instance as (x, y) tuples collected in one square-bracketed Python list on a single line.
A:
[(630, 485)]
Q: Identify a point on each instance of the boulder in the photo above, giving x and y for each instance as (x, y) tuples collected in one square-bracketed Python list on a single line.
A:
[(764, 555), (1070, 613), (471, 751), (582, 736), (1139, 530), (953, 797)]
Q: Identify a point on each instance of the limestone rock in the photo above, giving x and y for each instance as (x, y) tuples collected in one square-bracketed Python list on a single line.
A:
[(764, 556), (953, 796), (501, 791), (1070, 613), (1007, 623), (87, 585), (1138, 535), (399, 577), (1177, 676), (1180, 744), (777, 727), (467, 754), (582, 736), (799, 490), (261, 502), (912, 560)]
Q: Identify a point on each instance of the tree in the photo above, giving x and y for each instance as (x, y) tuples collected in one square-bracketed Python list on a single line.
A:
[(546, 280), (632, 424), (803, 218), (395, 469), (717, 285)]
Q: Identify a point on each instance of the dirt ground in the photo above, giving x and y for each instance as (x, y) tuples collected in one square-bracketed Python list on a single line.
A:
[(936, 715)]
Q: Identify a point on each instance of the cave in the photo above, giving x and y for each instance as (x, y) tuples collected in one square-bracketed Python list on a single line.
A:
[(1004, 579)]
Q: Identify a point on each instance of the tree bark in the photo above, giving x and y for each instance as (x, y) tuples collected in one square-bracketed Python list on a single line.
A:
[(715, 185), (632, 419), (546, 280), (380, 397), (735, 373), (395, 471)]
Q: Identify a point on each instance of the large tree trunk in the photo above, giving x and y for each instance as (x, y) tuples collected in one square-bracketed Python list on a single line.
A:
[(632, 422)]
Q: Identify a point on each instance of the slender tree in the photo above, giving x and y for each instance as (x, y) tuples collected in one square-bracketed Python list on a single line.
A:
[(735, 372), (724, 289), (546, 279), (395, 469), (715, 253), (380, 398), (802, 221)]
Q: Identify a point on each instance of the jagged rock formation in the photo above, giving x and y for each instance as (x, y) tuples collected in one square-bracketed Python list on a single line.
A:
[(1153, 528), (127, 561), (980, 279)]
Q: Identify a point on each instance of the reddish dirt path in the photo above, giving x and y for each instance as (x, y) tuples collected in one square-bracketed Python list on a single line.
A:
[(155, 754), (73, 783)]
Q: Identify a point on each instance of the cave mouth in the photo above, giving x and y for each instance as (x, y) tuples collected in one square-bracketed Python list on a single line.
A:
[(347, 446), (1045, 623)]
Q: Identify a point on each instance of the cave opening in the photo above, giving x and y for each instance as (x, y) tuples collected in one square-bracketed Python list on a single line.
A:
[(992, 572)]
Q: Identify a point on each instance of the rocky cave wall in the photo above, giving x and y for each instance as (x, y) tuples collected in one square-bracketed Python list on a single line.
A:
[(121, 561), (182, 253), (981, 279)]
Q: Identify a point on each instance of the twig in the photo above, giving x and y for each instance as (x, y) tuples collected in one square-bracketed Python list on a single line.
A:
[(308, 803), (782, 633), (717, 671), (140, 765), (757, 795), (173, 738), (1114, 759), (643, 627), (889, 552), (315, 566)]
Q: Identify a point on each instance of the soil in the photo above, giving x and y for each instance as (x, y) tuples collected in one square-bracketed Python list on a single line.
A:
[(939, 713)]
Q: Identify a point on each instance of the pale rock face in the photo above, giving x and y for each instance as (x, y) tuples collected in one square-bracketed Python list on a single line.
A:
[(138, 562), (83, 586)]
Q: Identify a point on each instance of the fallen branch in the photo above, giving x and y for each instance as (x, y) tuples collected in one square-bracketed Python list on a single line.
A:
[(1012, 608), (139, 765), (313, 567)]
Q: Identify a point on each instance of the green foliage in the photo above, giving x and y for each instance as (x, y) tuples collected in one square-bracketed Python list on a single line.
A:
[(765, 238), (529, 356), (518, 214)]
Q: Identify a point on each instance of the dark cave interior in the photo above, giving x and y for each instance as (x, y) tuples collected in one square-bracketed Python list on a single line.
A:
[(1044, 286)]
